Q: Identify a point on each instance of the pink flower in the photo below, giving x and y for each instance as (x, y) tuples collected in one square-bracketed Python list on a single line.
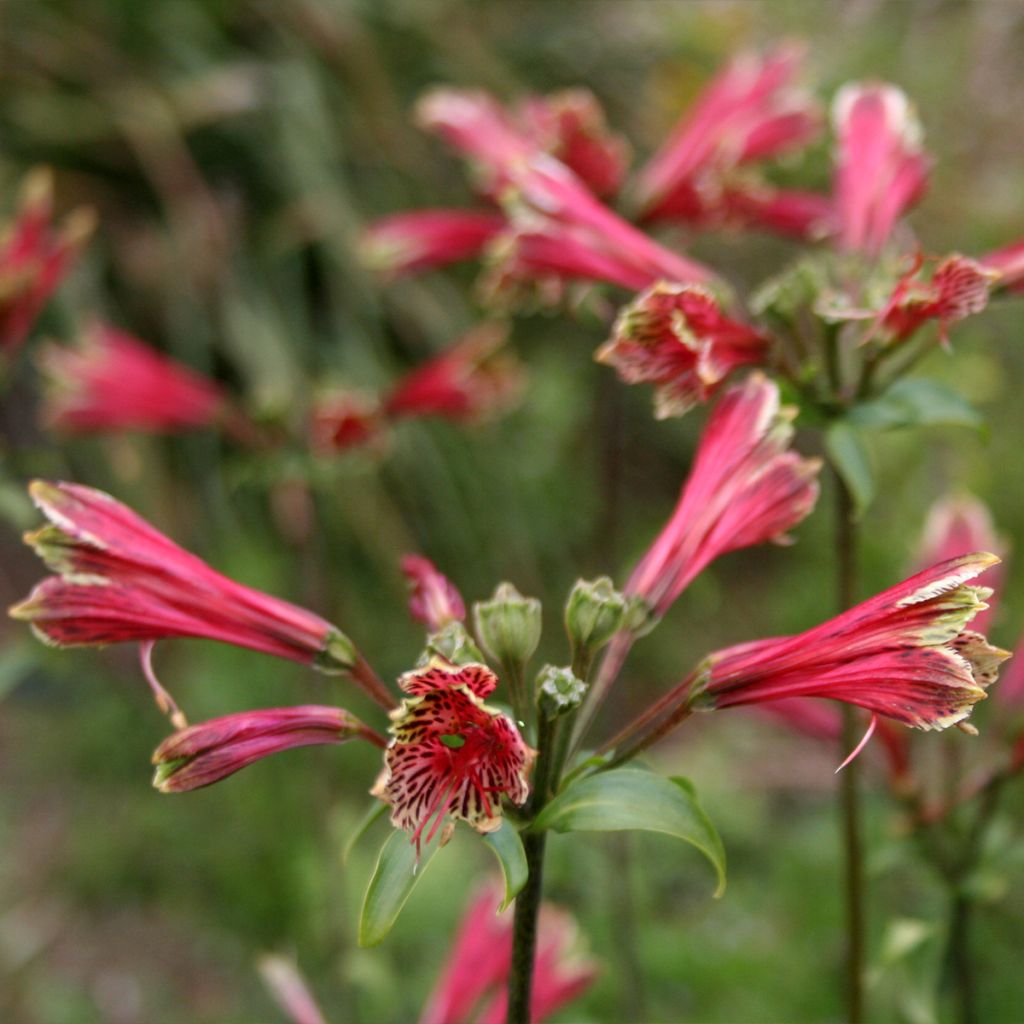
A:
[(881, 170), (407, 243), (119, 579), (676, 337), (289, 990), (469, 381), (434, 600), (341, 420), (34, 258), (451, 753), (200, 755), (794, 213), (905, 654), (749, 112), (745, 488), (1008, 263), (472, 984), (112, 381)]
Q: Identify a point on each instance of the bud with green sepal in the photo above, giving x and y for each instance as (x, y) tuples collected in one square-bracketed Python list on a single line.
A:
[(559, 690), (454, 644), (594, 613)]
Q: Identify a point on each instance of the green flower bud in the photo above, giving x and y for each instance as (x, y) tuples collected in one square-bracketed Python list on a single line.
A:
[(508, 626), (558, 690), (594, 613), (339, 654), (453, 643)]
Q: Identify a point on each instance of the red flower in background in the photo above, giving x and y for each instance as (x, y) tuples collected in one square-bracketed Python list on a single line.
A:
[(434, 600), (344, 419), (1008, 263)]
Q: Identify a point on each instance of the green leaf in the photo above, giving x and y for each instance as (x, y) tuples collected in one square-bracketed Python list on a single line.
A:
[(394, 878), (852, 461), (917, 402), (508, 848), (627, 798), (376, 810)]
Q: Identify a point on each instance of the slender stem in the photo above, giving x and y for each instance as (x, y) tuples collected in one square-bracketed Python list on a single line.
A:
[(958, 964), (622, 911), (371, 684), (849, 779)]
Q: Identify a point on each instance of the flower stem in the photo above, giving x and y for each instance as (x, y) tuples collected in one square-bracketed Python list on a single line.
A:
[(958, 966)]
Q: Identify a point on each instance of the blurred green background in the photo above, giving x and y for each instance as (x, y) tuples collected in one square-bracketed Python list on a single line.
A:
[(233, 150)]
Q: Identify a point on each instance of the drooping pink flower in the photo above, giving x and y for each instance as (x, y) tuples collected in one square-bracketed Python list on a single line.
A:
[(469, 381), (34, 258), (451, 754), (750, 111), (745, 488), (905, 654), (344, 419), (119, 579), (434, 600), (408, 243), (677, 338), (881, 169), (471, 987), (1008, 263), (113, 381), (202, 754)]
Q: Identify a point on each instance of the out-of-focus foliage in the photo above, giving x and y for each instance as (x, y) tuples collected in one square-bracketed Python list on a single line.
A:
[(232, 151)]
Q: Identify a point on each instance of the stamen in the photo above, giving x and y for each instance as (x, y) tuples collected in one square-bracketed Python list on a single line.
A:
[(860, 746), (164, 701)]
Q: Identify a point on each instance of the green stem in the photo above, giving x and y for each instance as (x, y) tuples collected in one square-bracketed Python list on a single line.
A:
[(959, 968)]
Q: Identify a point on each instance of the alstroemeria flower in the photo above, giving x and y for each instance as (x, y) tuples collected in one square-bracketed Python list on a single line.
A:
[(407, 243), (34, 257), (1008, 263), (793, 213), (120, 579), (202, 754), (905, 654), (434, 600), (112, 381), (677, 338), (344, 419), (469, 381), (749, 112), (880, 168), (451, 754), (472, 984)]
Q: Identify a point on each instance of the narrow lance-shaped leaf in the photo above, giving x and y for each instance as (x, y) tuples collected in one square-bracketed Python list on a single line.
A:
[(508, 848)]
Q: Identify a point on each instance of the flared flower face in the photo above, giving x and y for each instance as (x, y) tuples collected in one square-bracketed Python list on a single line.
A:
[(451, 753), (676, 338)]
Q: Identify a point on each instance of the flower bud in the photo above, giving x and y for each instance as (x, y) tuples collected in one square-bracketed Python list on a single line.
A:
[(454, 644), (559, 690), (338, 655), (593, 614), (508, 626)]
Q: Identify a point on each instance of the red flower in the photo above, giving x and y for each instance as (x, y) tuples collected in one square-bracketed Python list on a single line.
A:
[(749, 112), (1008, 263), (345, 419), (468, 381), (745, 488), (202, 754), (112, 381), (451, 753), (34, 258), (472, 984), (434, 601), (881, 170), (676, 337), (407, 243), (119, 579)]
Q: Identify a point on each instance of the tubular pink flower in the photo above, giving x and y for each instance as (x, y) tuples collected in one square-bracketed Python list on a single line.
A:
[(434, 600), (471, 985), (113, 381), (881, 170), (904, 654), (408, 243), (749, 112), (202, 754), (794, 213), (745, 488), (469, 381), (34, 258), (1008, 263), (676, 337), (120, 579), (451, 753)]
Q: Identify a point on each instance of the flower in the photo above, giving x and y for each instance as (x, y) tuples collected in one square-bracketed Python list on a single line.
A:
[(472, 984), (745, 488), (434, 601), (113, 381), (202, 754), (880, 168), (451, 753), (344, 419), (676, 337), (34, 257), (905, 654), (1008, 263), (407, 243), (469, 381), (119, 579), (749, 112)]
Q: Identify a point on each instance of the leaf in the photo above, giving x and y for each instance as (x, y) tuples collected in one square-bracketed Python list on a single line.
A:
[(377, 809), (394, 878), (508, 848), (627, 798), (917, 402), (852, 461)]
